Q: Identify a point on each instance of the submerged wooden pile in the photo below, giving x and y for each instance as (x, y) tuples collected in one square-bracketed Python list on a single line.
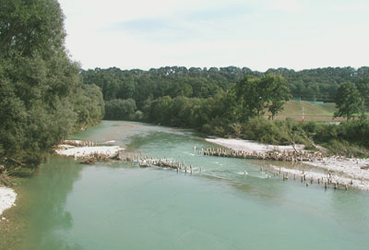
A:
[(324, 180), (292, 156), (134, 158), (145, 161), (78, 143), (92, 159)]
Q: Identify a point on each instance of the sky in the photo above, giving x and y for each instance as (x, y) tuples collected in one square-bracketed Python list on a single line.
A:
[(258, 34)]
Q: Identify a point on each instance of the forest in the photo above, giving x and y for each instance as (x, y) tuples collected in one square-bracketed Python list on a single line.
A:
[(310, 84), (232, 102)]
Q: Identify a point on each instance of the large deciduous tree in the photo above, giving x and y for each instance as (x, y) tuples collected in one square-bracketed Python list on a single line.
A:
[(29, 26), (277, 93), (250, 97), (348, 101), (255, 94), (41, 90)]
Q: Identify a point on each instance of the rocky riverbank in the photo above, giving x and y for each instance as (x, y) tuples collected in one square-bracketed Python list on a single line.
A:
[(7, 200), (86, 149), (336, 171)]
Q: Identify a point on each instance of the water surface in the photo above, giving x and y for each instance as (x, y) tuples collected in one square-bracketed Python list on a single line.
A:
[(123, 206)]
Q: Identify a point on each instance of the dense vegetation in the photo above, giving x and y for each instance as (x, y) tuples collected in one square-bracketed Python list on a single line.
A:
[(42, 97), (145, 87), (229, 101), (312, 85)]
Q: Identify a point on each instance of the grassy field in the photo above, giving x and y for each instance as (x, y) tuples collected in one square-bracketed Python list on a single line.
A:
[(312, 111)]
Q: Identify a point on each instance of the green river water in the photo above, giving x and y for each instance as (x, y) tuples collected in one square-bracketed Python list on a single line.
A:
[(122, 206)]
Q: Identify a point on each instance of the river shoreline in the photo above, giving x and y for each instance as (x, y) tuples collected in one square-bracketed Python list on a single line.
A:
[(343, 171)]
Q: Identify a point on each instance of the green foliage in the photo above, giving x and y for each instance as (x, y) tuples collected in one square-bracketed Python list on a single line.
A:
[(274, 132), (318, 84), (42, 98), (311, 85), (158, 111), (363, 88), (348, 101), (255, 94), (208, 101), (119, 109), (249, 93), (355, 132), (342, 147), (276, 93), (29, 26), (91, 114)]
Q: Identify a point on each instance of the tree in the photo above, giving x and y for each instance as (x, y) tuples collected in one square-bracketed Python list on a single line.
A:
[(250, 97), (348, 101), (363, 87), (119, 109), (159, 110), (255, 94), (277, 93), (41, 90), (27, 26)]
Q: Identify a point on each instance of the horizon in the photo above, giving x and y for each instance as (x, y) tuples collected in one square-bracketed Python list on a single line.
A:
[(202, 68)]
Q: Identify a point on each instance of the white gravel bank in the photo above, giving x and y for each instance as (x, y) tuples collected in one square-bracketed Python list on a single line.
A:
[(7, 198), (344, 170), (68, 150)]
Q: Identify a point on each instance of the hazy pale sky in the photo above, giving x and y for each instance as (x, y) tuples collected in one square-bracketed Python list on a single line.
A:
[(259, 34)]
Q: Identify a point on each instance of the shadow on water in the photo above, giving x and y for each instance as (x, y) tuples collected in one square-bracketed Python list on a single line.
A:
[(48, 192)]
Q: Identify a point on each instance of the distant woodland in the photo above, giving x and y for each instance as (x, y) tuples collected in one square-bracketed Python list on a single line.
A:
[(311, 84), (232, 102), (135, 91)]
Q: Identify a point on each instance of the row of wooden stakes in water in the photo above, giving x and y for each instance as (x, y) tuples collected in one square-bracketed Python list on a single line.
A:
[(144, 161), (328, 181), (79, 143), (292, 156)]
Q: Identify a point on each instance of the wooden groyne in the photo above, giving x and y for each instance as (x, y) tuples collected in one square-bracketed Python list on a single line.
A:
[(85, 154), (325, 181), (79, 143), (145, 161), (291, 156), (105, 154)]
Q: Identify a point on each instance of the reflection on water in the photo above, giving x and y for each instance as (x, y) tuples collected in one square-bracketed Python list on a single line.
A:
[(49, 191), (229, 204)]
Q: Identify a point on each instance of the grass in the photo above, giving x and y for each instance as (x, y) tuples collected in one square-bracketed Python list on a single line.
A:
[(295, 108), (312, 111)]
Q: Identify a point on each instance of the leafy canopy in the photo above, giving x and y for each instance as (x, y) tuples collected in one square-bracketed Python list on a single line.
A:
[(42, 98)]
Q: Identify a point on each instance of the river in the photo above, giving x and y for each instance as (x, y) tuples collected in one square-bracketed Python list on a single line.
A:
[(123, 206)]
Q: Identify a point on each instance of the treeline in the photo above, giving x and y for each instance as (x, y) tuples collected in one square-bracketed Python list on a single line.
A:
[(319, 84), (42, 98), (135, 94), (228, 103), (232, 101), (311, 85)]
